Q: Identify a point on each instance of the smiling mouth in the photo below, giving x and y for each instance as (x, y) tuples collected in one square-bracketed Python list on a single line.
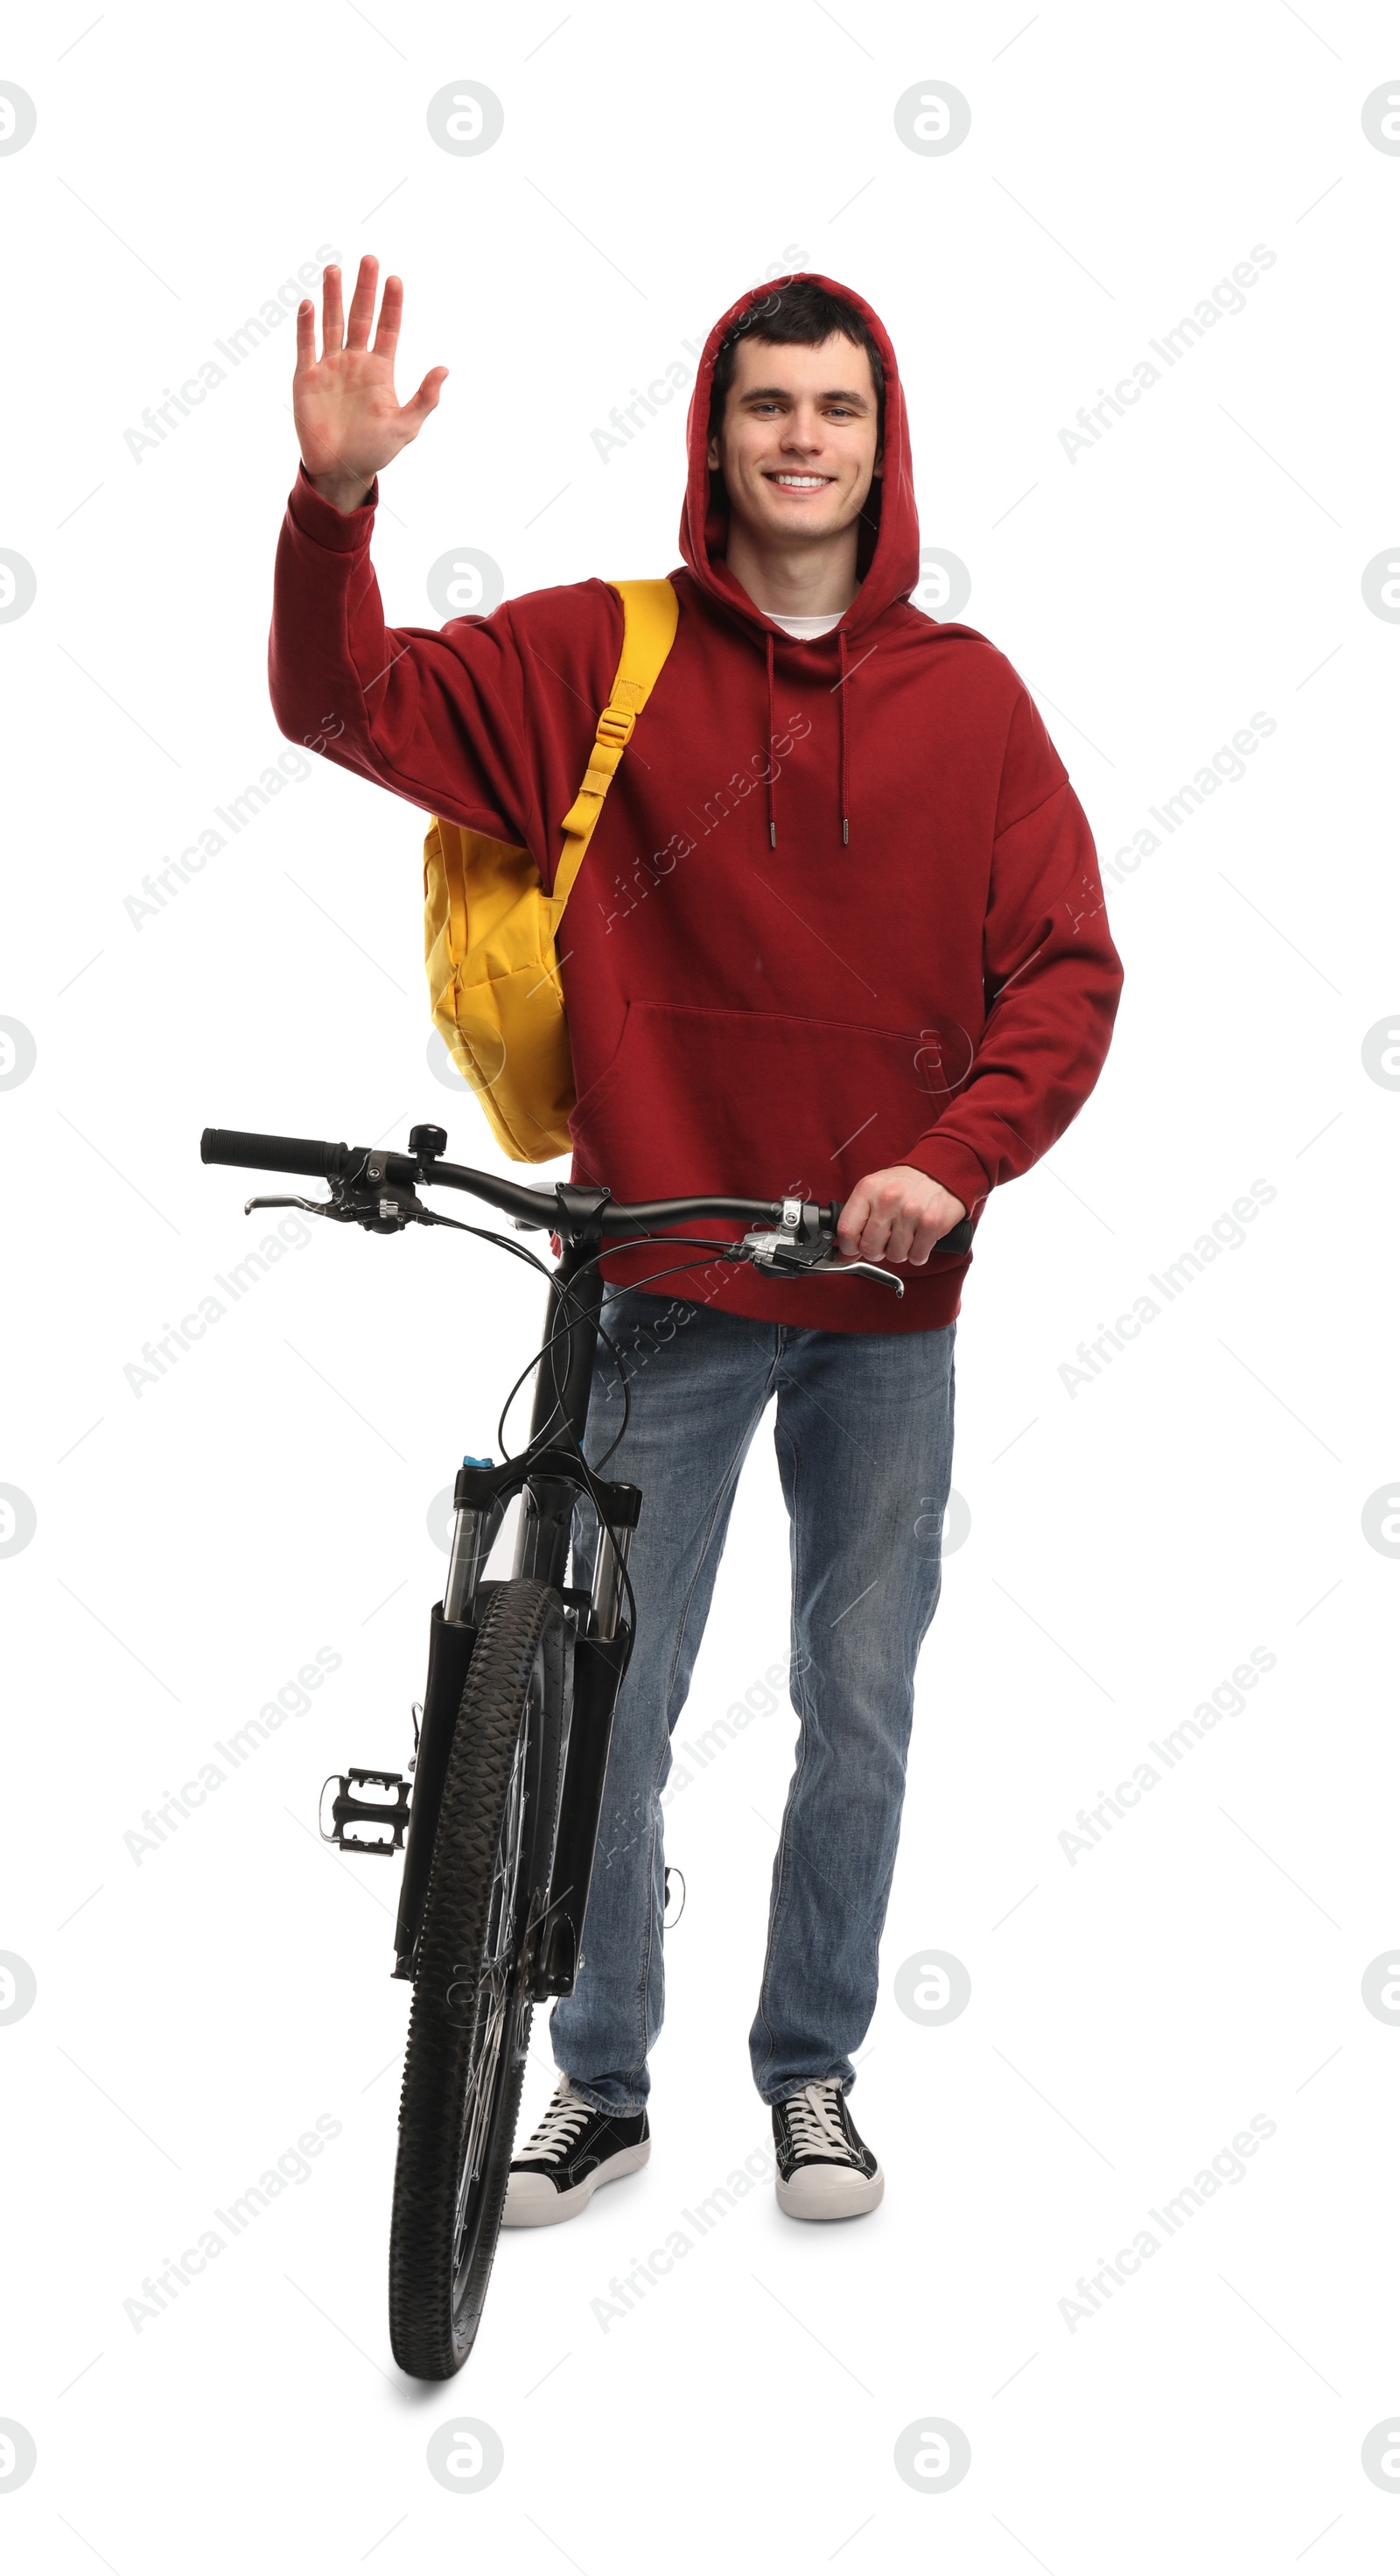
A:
[(800, 482)]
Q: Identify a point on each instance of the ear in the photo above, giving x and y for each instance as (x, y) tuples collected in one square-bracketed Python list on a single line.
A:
[(712, 455)]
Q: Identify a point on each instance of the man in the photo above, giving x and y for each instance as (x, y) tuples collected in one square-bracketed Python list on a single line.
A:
[(840, 933)]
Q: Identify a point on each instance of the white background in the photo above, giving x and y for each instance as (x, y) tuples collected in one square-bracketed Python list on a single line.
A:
[(1129, 1543)]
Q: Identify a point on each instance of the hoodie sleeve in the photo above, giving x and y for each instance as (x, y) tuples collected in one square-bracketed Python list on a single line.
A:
[(1051, 976), (446, 718)]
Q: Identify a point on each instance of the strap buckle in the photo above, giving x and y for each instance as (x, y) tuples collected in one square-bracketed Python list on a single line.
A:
[(617, 725)]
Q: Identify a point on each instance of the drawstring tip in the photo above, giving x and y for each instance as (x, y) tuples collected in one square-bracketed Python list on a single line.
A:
[(845, 829), (772, 836)]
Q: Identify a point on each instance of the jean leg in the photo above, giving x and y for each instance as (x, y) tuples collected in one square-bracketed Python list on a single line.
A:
[(864, 1438), (698, 1383)]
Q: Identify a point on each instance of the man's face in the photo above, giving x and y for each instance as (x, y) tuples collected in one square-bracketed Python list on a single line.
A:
[(798, 445)]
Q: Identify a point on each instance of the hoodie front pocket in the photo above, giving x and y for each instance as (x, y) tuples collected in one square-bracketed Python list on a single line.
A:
[(758, 1104)]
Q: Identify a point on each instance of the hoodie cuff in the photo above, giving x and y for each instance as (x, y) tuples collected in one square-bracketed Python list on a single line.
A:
[(954, 1166), (340, 531)]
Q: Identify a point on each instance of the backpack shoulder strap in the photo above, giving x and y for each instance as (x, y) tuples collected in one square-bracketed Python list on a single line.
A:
[(650, 610)]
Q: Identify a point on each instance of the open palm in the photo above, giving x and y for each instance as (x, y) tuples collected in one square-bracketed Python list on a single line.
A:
[(349, 419)]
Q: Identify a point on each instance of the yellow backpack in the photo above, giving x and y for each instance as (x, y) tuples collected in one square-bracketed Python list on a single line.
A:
[(490, 928)]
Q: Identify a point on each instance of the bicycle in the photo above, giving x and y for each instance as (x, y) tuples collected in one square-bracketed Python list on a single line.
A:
[(499, 1822)]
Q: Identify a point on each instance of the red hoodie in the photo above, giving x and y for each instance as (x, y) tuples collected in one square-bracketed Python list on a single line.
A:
[(842, 908)]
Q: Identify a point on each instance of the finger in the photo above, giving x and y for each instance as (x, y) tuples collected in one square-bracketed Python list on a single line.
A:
[(386, 338), (362, 304), (306, 335), (332, 318), (851, 1222), (414, 413), (926, 1234), (874, 1233)]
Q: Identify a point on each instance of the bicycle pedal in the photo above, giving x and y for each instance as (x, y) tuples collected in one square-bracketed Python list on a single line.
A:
[(360, 1824)]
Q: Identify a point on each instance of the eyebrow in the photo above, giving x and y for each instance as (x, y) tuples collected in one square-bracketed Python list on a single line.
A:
[(781, 393)]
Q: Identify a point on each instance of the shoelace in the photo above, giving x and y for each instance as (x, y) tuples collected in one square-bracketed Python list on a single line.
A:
[(814, 2123), (559, 2128)]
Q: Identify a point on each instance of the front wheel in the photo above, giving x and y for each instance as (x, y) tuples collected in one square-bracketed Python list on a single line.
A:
[(469, 2028)]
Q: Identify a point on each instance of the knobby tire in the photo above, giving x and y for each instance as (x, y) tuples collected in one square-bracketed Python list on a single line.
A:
[(468, 1993)]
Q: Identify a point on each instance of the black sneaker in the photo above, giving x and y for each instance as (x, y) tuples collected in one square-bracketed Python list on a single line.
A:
[(825, 2169), (574, 2149)]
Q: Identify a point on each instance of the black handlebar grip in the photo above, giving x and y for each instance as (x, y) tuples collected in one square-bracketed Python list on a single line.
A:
[(957, 1239), (303, 1154)]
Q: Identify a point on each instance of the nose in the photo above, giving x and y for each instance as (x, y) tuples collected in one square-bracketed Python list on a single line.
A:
[(803, 434)]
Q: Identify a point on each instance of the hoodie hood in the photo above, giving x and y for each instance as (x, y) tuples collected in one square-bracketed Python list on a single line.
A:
[(887, 560)]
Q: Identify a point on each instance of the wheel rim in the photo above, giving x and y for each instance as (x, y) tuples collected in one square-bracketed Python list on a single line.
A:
[(494, 2015)]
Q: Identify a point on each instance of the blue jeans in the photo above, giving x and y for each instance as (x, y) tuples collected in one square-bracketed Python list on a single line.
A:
[(864, 1437)]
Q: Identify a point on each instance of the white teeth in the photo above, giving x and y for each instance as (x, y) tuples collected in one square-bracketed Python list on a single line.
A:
[(801, 482)]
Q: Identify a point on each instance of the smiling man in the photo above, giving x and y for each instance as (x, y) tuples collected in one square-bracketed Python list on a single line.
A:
[(840, 933)]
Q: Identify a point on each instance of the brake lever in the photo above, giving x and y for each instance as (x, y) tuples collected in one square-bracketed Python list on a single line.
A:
[(383, 1208), (844, 1269), (313, 1207), (783, 1254)]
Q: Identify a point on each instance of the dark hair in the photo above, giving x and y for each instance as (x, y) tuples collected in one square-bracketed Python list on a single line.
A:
[(800, 316)]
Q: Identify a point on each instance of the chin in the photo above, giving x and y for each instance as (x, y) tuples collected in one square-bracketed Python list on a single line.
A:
[(814, 522)]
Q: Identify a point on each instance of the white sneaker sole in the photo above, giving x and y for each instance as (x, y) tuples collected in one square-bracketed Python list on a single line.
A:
[(830, 2191), (532, 2200)]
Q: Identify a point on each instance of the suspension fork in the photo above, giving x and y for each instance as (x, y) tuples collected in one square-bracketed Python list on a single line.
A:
[(560, 1413), (559, 1419)]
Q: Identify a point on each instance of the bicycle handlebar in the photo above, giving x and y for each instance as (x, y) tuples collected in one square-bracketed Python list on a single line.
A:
[(322, 1162), (535, 1209)]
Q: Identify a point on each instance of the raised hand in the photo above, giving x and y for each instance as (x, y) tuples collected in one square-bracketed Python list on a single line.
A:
[(349, 419)]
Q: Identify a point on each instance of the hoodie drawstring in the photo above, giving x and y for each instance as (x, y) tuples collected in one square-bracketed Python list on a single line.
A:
[(773, 735), (841, 694)]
